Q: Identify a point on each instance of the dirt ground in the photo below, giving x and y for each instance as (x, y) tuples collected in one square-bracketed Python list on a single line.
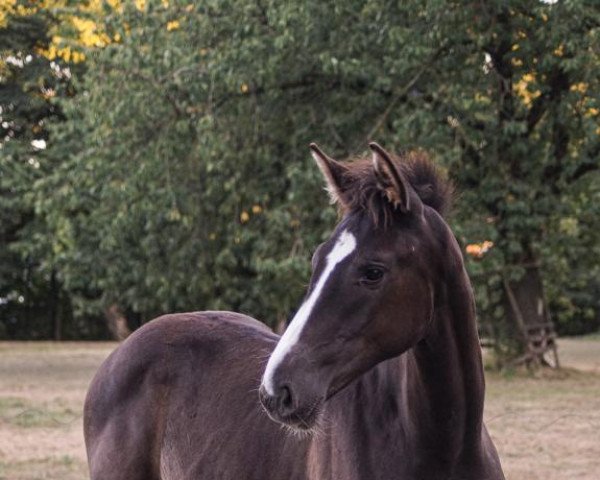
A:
[(545, 426)]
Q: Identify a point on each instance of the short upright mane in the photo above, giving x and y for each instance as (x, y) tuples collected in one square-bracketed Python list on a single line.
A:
[(362, 191)]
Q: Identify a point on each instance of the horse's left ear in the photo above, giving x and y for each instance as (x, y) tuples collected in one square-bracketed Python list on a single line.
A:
[(334, 173), (391, 180)]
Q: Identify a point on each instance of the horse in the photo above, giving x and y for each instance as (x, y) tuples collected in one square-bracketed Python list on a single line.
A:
[(378, 376)]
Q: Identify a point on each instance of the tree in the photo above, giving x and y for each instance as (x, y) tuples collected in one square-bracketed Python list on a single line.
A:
[(36, 71), (28, 82), (187, 183), (519, 93)]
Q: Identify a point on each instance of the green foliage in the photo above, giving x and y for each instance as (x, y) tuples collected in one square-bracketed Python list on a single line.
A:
[(33, 303), (25, 110), (572, 275), (182, 180), (516, 86)]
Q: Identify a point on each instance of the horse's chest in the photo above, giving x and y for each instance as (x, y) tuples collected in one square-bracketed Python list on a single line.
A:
[(353, 457)]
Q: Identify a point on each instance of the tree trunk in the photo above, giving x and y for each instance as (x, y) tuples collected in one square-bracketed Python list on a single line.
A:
[(527, 311), (55, 311), (117, 323)]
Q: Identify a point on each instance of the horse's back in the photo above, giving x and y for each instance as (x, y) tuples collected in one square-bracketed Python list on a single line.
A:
[(178, 400)]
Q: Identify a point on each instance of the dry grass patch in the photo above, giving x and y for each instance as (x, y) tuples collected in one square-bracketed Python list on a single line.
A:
[(545, 425)]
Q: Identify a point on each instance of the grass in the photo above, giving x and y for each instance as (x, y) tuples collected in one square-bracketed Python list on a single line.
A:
[(42, 388), (593, 337), (545, 425), (22, 413), (63, 466)]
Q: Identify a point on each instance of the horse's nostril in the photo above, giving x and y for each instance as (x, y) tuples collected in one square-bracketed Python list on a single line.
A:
[(285, 397), (281, 404)]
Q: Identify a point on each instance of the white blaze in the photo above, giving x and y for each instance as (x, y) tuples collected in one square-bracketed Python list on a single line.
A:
[(345, 245)]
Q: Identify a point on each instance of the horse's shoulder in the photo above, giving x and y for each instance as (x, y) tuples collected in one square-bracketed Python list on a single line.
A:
[(180, 339)]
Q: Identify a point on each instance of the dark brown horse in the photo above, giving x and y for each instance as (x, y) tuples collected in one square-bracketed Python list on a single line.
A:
[(378, 376)]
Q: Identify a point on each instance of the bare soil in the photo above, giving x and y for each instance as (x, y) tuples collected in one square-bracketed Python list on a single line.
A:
[(545, 425)]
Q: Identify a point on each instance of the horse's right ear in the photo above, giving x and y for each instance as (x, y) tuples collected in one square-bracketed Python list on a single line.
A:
[(334, 173), (391, 180)]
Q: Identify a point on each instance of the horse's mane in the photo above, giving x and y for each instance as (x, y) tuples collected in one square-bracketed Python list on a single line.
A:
[(362, 191)]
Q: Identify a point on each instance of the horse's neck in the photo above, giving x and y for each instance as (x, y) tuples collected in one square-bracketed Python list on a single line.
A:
[(423, 408), (436, 389), (445, 382)]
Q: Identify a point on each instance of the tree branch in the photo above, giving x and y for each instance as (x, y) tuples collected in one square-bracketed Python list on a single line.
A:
[(399, 94), (582, 170)]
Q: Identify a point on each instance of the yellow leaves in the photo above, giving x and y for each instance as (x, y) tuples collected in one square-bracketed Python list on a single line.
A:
[(580, 87), (115, 4), (569, 226), (244, 88), (141, 4), (515, 47), (480, 98), (256, 209), (204, 51), (586, 101), (66, 53), (559, 51), (6, 8), (174, 214), (517, 62), (7, 4), (77, 57), (189, 8), (478, 250), (592, 112), (83, 32), (173, 25), (523, 88), (88, 33), (96, 5), (55, 50), (24, 11), (51, 53)]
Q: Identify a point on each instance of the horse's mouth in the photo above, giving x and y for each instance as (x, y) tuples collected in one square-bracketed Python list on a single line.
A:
[(303, 420)]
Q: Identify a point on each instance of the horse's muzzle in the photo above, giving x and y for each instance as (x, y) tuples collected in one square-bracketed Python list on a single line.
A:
[(284, 407)]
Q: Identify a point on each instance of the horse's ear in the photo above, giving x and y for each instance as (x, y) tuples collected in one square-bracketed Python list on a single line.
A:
[(333, 171), (391, 180)]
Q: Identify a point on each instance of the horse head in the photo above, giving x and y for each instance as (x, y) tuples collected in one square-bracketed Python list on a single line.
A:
[(374, 281)]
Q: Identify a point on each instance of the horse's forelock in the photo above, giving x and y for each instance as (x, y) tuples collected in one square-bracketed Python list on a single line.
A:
[(364, 193)]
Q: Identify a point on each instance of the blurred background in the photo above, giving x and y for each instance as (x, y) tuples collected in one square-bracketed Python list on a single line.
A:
[(153, 159)]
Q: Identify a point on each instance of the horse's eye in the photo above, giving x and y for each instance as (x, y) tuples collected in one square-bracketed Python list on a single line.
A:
[(372, 275)]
